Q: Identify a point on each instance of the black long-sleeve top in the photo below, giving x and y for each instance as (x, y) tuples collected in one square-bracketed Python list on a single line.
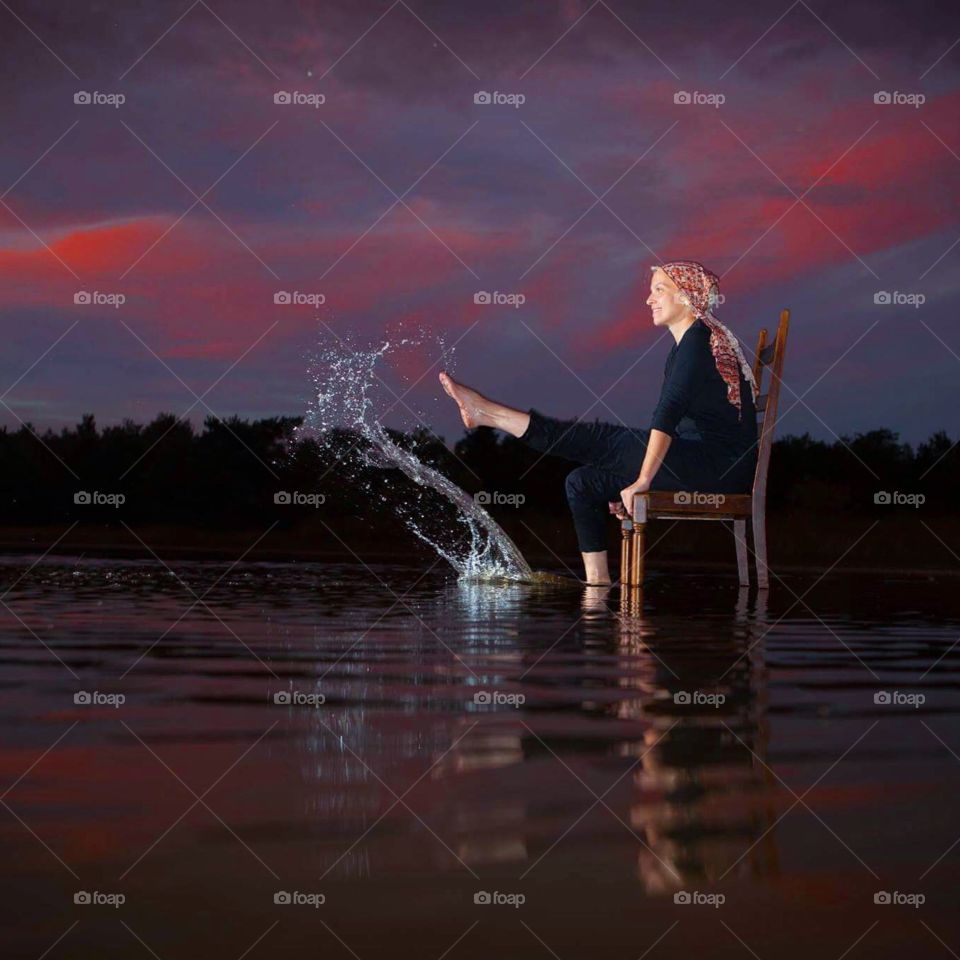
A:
[(693, 401)]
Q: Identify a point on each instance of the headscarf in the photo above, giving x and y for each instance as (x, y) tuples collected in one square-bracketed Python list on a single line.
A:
[(699, 290)]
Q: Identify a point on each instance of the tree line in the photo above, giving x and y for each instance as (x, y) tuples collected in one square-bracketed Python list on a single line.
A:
[(234, 473)]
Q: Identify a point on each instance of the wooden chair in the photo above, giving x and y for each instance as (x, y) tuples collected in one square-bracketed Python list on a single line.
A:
[(702, 505)]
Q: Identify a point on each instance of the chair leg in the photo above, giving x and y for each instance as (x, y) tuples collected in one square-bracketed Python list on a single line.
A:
[(626, 551), (743, 566), (759, 525), (636, 563)]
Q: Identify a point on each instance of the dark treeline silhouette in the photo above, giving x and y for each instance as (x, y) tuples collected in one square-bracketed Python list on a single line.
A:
[(229, 473)]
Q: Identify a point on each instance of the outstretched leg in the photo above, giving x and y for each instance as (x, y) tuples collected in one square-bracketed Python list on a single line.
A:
[(478, 411), (588, 489)]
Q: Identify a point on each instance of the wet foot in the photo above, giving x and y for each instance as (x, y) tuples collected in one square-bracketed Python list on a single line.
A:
[(595, 597), (470, 402)]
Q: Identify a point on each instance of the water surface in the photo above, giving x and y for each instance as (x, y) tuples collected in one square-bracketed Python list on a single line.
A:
[(402, 742)]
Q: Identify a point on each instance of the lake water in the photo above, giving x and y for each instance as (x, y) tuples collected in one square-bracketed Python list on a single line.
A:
[(385, 746)]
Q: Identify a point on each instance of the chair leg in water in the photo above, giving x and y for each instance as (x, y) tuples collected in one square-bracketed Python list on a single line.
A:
[(626, 546), (631, 553), (743, 564)]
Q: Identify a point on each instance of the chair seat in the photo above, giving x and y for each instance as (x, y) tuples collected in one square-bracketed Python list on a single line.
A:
[(666, 504)]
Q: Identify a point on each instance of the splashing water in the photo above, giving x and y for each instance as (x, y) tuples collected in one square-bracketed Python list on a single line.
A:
[(344, 379)]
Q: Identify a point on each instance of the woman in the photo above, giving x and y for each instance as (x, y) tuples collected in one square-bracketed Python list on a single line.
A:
[(702, 436)]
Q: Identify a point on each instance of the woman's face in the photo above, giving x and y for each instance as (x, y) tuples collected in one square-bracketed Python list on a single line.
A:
[(665, 302)]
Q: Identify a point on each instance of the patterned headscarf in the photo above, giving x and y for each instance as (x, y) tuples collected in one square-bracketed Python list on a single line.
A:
[(699, 290)]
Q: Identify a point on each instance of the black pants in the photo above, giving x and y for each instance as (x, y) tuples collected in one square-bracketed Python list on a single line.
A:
[(612, 456)]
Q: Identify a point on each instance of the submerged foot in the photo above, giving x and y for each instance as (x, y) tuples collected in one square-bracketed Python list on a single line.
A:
[(470, 402)]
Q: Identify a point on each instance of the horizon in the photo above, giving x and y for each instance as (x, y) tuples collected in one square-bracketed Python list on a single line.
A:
[(200, 425)]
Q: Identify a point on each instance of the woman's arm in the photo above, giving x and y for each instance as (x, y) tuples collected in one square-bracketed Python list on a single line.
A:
[(657, 448)]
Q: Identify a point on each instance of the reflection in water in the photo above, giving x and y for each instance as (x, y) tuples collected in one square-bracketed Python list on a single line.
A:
[(687, 779), (703, 803)]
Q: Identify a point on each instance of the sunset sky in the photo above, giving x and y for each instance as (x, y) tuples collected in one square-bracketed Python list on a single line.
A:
[(398, 198)]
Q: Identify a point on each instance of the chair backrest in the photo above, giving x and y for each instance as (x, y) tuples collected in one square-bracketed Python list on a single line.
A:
[(768, 355)]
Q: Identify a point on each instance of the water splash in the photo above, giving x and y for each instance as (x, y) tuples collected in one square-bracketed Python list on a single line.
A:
[(345, 380)]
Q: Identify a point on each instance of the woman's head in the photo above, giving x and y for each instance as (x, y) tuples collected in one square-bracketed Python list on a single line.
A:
[(666, 300), (682, 290)]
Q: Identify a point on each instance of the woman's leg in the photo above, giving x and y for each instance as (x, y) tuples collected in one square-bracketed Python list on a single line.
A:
[(614, 455), (589, 491), (478, 411), (605, 445)]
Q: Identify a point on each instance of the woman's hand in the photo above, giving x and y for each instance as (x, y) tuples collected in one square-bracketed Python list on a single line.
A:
[(627, 494)]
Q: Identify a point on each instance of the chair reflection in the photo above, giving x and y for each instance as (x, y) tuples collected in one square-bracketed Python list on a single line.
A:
[(703, 798), (705, 795)]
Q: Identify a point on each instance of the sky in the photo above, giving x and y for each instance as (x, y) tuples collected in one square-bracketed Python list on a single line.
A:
[(182, 199)]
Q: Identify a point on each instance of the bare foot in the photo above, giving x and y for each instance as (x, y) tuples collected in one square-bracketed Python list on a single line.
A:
[(595, 597), (470, 402)]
